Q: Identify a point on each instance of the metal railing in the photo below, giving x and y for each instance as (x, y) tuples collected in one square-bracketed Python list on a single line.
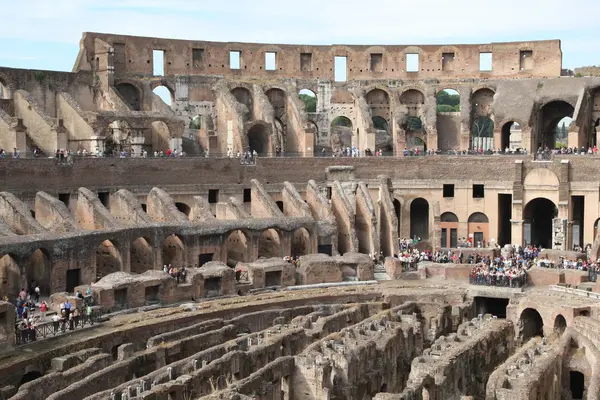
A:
[(54, 328), (498, 280)]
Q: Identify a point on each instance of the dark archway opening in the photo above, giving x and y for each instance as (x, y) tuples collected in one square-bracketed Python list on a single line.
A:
[(576, 384), (243, 95), (184, 208), (532, 324), (30, 376), (341, 132), (550, 129), (258, 139), (538, 216), (510, 138), (491, 305), (279, 205), (560, 324), (419, 219)]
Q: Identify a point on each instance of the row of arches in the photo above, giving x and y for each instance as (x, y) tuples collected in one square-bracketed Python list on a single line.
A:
[(133, 96), (16, 274)]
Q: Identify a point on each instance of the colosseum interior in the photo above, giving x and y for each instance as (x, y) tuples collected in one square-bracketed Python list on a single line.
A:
[(246, 323)]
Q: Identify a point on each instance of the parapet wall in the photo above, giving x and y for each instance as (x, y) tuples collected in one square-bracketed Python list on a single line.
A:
[(133, 55)]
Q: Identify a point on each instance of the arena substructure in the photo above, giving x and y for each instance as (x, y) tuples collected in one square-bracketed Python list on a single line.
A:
[(396, 340)]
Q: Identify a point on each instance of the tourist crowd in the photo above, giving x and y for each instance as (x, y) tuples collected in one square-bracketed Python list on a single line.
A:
[(178, 273)]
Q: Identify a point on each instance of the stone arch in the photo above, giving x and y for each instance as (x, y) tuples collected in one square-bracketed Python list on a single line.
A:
[(531, 324), (448, 119), (244, 96), (419, 218), (560, 324), (539, 213), (413, 100), (301, 242), (39, 269), (236, 245), (141, 256), (10, 276), (277, 97), (258, 139), (482, 123), (161, 136), (341, 132), (131, 94), (184, 208), (310, 100), (541, 177), (511, 135), (449, 230), (108, 259), (269, 244), (165, 93), (173, 251), (548, 117)]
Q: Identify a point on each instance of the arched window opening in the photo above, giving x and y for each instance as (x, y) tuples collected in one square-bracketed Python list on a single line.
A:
[(511, 136), (39, 270), (560, 324), (164, 99), (553, 123), (309, 98), (184, 208), (258, 139), (243, 96), (448, 119), (341, 133)]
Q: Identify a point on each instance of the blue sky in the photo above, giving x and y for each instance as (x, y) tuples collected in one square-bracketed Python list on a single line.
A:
[(43, 34)]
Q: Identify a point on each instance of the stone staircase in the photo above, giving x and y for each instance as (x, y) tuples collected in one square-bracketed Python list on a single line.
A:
[(379, 273)]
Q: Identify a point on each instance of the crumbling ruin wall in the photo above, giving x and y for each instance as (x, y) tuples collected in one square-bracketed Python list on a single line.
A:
[(161, 207), (346, 219), (126, 209), (366, 221), (235, 209), (17, 215), (201, 210), (91, 213), (322, 212), (262, 205), (388, 220), (439, 374), (41, 128), (53, 214), (293, 204)]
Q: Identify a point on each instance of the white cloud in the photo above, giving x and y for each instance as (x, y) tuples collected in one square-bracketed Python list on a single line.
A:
[(309, 21)]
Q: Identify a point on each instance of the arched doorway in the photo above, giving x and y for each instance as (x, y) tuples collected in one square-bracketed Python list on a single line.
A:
[(478, 229), (108, 259), (449, 226), (482, 126), (300, 242), (141, 256), (164, 94), (511, 136), (448, 120), (341, 133), (576, 384), (258, 139), (378, 101), (10, 277), (38, 270), (243, 96), (269, 244), (549, 128), (173, 251), (560, 324), (383, 139), (531, 324), (237, 248), (537, 226), (414, 101), (130, 94), (419, 219), (398, 211)]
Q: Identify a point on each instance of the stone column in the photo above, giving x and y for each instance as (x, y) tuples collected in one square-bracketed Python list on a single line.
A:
[(559, 234), (517, 235)]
